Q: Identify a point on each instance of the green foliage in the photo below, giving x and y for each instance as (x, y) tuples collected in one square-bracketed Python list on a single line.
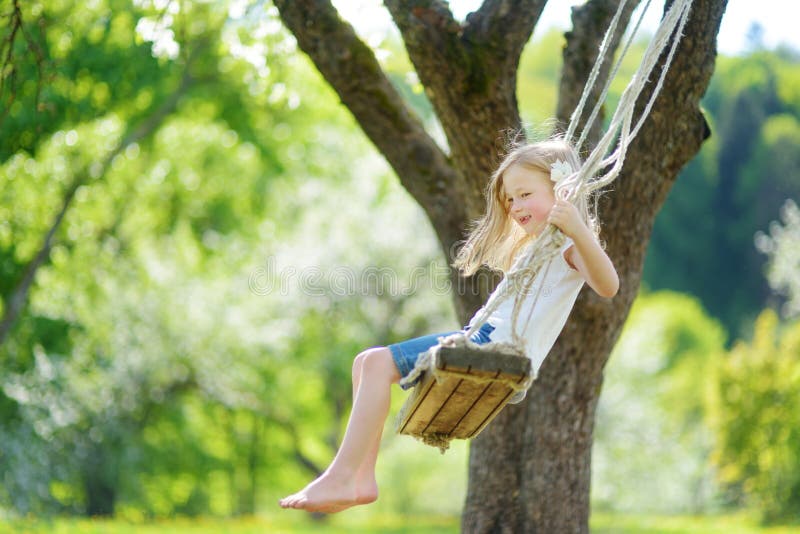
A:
[(757, 419), (537, 87), (92, 62), (782, 245), (653, 406), (702, 238), (148, 375)]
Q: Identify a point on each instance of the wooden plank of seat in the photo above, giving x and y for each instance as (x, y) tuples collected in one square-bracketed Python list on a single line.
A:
[(456, 406)]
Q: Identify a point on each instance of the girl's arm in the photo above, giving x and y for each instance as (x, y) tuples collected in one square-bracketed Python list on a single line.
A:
[(586, 256)]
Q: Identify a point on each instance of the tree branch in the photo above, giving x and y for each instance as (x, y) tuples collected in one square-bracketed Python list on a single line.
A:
[(504, 26), (464, 68), (432, 36), (589, 24), (684, 86), (8, 62), (351, 69), (486, 48)]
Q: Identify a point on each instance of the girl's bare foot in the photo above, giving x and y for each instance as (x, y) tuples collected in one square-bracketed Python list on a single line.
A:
[(324, 494), (329, 495), (366, 488), (366, 492)]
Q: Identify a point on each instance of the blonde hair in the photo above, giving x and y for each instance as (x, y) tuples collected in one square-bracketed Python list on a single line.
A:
[(495, 239)]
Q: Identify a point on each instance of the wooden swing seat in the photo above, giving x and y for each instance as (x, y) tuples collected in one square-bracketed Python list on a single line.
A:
[(472, 388)]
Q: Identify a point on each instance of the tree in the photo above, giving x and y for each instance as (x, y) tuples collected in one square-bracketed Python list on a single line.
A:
[(95, 178), (781, 245), (530, 470), (733, 189), (756, 411), (655, 405)]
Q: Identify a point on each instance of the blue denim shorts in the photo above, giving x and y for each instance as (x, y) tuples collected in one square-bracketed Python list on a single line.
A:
[(405, 353)]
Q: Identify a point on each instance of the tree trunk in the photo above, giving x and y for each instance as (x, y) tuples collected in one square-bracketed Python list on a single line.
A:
[(99, 483), (530, 469)]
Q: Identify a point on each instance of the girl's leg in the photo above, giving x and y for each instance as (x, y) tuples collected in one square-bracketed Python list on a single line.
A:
[(338, 487), (365, 478), (366, 485)]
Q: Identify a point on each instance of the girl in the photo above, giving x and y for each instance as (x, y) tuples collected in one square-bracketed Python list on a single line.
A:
[(520, 201)]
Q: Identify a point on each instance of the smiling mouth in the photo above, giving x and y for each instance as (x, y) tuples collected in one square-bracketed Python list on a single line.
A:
[(525, 219)]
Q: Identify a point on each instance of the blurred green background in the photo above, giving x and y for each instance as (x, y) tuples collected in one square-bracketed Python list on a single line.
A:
[(231, 240)]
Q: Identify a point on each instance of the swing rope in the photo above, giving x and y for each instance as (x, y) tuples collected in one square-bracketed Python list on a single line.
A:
[(605, 46), (575, 118)]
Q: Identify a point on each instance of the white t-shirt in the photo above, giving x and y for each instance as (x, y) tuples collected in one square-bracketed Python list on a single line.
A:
[(560, 285)]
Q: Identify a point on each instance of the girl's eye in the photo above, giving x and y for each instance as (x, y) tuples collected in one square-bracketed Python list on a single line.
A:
[(525, 195)]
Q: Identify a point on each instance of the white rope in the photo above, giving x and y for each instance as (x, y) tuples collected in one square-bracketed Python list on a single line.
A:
[(675, 19), (587, 88), (611, 77)]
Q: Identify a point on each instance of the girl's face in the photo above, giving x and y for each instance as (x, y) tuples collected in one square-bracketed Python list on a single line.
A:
[(529, 197)]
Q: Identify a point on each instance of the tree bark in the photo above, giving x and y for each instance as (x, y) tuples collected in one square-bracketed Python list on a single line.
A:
[(99, 484), (530, 469)]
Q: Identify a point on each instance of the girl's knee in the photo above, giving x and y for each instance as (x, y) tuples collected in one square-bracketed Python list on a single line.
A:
[(363, 356), (358, 361), (378, 359)]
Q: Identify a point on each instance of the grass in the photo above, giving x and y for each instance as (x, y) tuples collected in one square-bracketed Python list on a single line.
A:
[(740, 523), (601, 523), (298, 525)]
